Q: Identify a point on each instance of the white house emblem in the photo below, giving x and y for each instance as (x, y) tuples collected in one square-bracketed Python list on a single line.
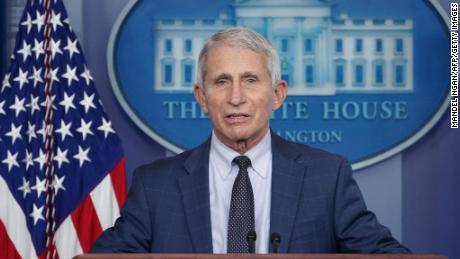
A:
[(364, 81)]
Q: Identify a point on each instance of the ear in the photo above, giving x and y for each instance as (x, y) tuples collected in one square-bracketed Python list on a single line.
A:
[(281, 91), (200, 97)]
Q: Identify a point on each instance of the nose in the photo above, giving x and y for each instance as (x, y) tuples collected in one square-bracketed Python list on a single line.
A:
[(237, 96)]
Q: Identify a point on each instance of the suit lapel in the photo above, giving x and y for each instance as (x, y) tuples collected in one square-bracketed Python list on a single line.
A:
[(287, 182), (195, 196)]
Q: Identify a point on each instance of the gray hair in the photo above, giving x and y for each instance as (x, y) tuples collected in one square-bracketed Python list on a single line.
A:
[(243, 38)]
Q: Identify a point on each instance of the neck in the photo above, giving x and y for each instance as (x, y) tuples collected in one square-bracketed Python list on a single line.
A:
[(242, 145)]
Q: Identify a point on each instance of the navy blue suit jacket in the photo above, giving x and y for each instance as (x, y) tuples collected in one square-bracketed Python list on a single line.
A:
[(316, 206)]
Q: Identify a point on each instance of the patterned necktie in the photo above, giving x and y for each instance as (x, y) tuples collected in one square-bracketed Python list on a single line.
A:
[(241, 218)]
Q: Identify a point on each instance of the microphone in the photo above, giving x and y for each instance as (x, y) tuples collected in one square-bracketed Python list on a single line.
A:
[(251, 237), (275, 240)]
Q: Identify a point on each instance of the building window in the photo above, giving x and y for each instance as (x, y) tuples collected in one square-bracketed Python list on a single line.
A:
[(286, 78), (399, 21), (286, 71), (399, 46), (284, 45), (358, 45), (209, 22), (378, 22), (167, 21), (167, 72), (359, 72), (339, 46), (308, 46), (340, 72), (378, 45), (188, 46), (168, 46), (379, 72), (188, 22), (188, 72), (399, 73), (309, 73)]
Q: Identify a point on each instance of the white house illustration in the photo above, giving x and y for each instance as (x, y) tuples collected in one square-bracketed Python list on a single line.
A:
[(320, 54)]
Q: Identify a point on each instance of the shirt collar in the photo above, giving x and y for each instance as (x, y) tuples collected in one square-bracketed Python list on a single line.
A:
[(260, 155)]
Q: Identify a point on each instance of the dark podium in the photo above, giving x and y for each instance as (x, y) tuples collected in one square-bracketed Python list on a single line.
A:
[(257, 256)]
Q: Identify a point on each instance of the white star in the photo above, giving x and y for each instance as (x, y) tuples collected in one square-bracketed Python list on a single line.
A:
[(106, 127), (55, 48), (68, 102), (37, 214), (36, 76), (39, 21), (28, 160), (10, 160), (58, 183), (70, 75), (82, 155), (33, 104), (25, 187), (42, 131), (64, 130), (1, 108), (49, 101), (31, 131), (21, 78), (87, 75), (61, 157), (38, 48), (56, 20), (53, 75), (85, 128), (27, 23), (6, 81), (71, 47), (18, 105), (87, 102), (40, 186), (41, 159), (25, 51), (14, 133)]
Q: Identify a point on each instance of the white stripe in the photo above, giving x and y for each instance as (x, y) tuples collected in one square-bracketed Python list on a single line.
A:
[(15, 222), (105, 203), (66, 240)]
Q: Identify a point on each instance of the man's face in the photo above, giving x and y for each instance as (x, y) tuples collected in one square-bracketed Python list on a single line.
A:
[(238, 95)]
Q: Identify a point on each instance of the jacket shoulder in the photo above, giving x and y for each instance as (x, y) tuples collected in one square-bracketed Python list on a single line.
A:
[(164, 169), (305, 153)]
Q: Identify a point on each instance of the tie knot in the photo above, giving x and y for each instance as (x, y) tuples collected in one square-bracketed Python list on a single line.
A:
[(243, 162)]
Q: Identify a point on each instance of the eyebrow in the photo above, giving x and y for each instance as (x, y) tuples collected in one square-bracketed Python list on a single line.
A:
[(249, 74)]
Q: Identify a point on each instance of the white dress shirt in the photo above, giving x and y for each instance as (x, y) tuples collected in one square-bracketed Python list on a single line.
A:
[(222, 175)]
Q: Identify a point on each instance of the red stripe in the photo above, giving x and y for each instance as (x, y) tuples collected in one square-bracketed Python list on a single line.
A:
[(118, 177), (86, 224), (45, 253), (7, 248)]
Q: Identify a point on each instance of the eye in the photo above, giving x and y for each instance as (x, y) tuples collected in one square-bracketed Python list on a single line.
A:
[(251, 80), (221, 82)]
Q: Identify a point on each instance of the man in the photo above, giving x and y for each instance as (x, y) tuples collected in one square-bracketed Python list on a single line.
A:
[(245, 182)]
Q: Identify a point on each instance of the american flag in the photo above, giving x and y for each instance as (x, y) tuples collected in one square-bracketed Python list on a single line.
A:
[(62, 178)]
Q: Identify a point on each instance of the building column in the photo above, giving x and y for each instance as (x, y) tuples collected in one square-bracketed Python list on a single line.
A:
[(298, 75)]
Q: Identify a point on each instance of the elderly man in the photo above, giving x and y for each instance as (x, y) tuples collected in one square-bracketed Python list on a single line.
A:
[(245, 188)]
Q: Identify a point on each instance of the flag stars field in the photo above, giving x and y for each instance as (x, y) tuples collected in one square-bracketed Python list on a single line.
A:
[(58, 169)]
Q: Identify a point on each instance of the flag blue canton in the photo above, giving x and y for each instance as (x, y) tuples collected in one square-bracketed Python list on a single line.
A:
[(85, 146)]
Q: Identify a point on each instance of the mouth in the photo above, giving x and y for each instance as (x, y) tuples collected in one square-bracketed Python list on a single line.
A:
[(235, 118)]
